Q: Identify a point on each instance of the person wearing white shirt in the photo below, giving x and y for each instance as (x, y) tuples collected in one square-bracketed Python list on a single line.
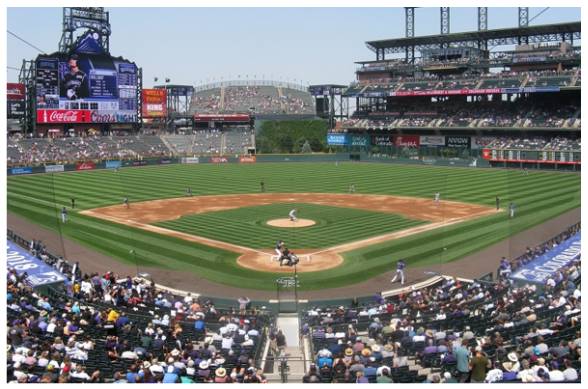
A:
[(253, 332), (227, 343), (570, 374), (556, 376)]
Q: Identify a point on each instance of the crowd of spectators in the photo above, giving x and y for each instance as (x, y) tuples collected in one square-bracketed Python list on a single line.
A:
[(263, 100), (535, 143), (111, 328), (453, 331), (486, 114), (38, 151)]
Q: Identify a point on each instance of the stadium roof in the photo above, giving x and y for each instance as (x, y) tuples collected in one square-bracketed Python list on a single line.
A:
[(504, 36)]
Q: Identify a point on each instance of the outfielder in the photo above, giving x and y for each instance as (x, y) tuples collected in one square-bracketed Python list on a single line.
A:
[(63, 215), (292, 215), (400, 265), (352, 188), (511, 210)]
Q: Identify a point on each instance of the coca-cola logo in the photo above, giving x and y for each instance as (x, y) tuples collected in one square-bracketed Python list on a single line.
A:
[(63, 116)]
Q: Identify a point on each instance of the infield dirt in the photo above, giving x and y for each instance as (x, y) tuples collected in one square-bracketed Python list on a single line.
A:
[(141, 214)]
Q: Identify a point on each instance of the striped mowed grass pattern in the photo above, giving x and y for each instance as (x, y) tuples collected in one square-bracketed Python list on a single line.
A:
[(538, 196), (248, 227)]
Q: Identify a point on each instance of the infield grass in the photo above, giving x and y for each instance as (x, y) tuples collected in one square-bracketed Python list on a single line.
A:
[(248, 227), (539, 197)]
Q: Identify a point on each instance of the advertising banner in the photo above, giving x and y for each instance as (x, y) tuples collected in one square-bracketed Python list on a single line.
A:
[(21, 170), (486, 154), (406, 140), (458, 141), (337, 139), (383, 140), (113, 164), (164, 161), (64, 116), (218, 160), (544, 266), (15, 109), (54, 168), (86, 165), (447, 92), (191, 160), (359, 140), (15, 91), (154, 103), (39, 273), (221, 118), (247, 159), (432, 140)]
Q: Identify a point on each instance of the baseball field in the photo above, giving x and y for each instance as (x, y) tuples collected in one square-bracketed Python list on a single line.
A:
[(223, 232)]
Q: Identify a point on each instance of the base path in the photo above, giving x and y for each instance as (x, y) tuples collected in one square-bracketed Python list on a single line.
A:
[(287, 223), (141, 215)]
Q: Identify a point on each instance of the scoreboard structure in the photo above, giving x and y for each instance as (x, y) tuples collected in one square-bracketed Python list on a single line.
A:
[(82, 87)]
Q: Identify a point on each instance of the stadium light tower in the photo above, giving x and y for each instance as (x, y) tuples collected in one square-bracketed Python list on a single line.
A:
[(93, 19)]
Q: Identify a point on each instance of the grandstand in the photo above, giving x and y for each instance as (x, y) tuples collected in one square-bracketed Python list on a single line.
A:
[(408, 242), (264, 98)]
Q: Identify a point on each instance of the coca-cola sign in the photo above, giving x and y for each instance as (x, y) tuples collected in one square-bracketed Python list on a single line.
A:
[(63, 116), (85, 116)]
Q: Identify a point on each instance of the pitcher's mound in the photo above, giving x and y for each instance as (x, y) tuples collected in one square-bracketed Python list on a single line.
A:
[(287, 223), (266, 260)]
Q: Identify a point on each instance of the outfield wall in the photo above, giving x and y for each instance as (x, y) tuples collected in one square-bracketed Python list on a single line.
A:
[(472, 162)]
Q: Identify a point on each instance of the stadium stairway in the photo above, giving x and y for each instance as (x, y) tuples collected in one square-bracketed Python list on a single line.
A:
[(169, 145), (290, 326)]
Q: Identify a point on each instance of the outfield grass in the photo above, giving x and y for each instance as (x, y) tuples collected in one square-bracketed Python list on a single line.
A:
[(247, 226), (538, 196)]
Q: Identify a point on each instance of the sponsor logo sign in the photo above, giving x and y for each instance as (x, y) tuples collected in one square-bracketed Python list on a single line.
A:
[(247, 159), (432, 140), (165, 161), (219, 160), (337, 139), (64, 116), (383, 140), (407, 140), (191, 160), (15, 91), (15, 109), (21, 170), (359, 140), (113, 164), (154, 102), (458, 141), (544, 266), (86, 166), (39, 273), (54, 168), (486, 154)]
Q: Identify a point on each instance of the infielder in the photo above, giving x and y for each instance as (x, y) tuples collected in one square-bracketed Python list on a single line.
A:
[(352, 188), (437, 197), (497, 203), (73, 203), (63, 215), (189, 192), (292, 215), (126, 202), (400, 265)]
